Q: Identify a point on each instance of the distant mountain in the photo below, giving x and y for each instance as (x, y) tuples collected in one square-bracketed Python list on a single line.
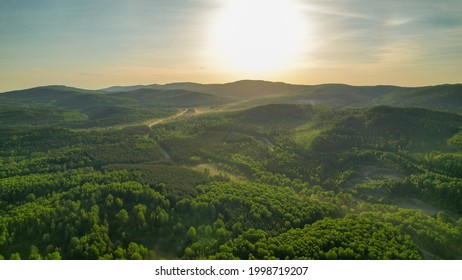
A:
[(170, 98), (240, 89), (255, 93), (59, 105), (342, 95), (185, 86), (243, 94), (74, 98), (43, 95), (248, 89), (441, 97)]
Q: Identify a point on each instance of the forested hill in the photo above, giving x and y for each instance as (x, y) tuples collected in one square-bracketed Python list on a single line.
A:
[(440, 97), (66, 97), (242, 94), (190, 171), (279, 181), (243, 89), (64, 106)]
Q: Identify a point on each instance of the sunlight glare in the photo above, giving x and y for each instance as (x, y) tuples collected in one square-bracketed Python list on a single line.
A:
[(256, 36)]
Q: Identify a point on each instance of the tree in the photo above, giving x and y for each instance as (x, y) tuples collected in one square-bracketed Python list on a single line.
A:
[(136, 256), (53, 256), (109, 200), (162, 216), (15, 256), (34, 253), (119, 202), (140, 213), (119, 254), (136, 252), (191, 234), (122, 216)]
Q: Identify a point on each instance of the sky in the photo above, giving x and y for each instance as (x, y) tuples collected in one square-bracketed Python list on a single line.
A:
[(100, 43)]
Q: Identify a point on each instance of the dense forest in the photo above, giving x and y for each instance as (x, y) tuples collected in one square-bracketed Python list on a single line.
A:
[(176, 172)]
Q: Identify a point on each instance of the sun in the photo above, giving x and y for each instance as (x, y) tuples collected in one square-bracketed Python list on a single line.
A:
[(258, 36)]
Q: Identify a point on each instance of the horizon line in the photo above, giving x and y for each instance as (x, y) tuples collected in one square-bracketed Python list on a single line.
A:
[(226, 83)]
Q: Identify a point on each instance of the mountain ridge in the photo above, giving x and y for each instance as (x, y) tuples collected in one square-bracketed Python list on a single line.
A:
[(247, 93)]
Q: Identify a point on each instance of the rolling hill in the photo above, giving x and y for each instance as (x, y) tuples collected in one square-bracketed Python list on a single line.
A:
[(331, 172), (245, 89), (97, 108), (254, 93)]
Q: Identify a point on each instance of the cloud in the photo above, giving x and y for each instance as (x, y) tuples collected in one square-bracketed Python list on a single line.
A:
[(398, 53), (353, 32)]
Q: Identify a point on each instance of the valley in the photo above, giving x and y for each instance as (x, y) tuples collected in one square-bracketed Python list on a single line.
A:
[(245, 170)]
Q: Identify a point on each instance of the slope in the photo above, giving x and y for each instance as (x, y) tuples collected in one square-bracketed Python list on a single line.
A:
[(96, 108), (253, 93)]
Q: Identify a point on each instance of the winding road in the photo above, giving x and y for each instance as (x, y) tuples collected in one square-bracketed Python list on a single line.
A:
[(158, 121)]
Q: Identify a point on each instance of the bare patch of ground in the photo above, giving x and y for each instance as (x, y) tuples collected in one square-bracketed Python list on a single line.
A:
[(373, 173), (415, 204), (214, 170), (154, 122)]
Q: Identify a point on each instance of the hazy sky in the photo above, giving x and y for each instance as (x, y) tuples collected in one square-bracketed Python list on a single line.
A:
[(99, 43)]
